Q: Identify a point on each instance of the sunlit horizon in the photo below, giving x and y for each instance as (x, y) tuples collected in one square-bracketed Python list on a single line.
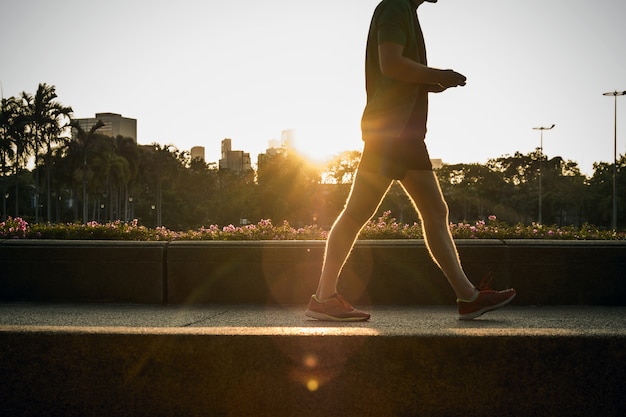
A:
[(194, 73)]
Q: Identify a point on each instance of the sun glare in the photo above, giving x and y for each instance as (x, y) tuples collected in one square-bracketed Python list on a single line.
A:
[(315, 147), (315, 154)]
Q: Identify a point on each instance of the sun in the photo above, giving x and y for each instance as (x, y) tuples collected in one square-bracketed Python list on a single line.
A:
[(312, 151), (319, 151), (313, 156)]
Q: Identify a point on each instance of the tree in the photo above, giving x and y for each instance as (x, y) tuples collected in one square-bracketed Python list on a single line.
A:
[(53, 119), (598, 205), (563, 193), (521, 185), (83, 143), (233, 197), (110, 171), (472, 191), (7, 113), (341, 168), (508, 187), (287, 184), (195, 189), (18, 133), (159, 166), (47, 120), (127, 149), (337, 176)]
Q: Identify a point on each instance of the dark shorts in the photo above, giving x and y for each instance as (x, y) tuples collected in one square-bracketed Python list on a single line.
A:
[(393, 158)]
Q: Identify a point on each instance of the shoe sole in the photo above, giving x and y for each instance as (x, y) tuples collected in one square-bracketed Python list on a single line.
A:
[(478, 313), (325, 317)]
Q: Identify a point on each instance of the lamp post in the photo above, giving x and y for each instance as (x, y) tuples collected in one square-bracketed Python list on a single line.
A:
[(129, 210), (540, 158), (4, 206), (615, 94)]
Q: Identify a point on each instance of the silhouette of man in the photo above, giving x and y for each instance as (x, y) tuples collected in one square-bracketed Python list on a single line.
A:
[(398, 81)]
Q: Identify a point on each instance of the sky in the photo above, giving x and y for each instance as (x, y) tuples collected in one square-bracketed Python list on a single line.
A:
[(193, 72)]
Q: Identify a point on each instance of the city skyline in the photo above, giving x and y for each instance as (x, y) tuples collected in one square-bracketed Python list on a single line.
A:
[(194, 73)]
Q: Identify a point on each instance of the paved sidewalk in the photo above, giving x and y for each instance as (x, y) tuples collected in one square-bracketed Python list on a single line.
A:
[(290, 320)]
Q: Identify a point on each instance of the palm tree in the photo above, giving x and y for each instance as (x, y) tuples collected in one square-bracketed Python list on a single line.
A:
[(47, 119), (100, 168), (32, 140), (110, 172), (18, 135), (127, 149), (160, 164), (55, 142), (84, 141), (7, 152)]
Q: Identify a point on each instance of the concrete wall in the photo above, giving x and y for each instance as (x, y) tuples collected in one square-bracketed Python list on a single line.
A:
[(286, 272), (82, 271)]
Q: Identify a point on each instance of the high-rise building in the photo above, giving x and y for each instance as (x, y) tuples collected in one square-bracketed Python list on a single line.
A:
[(287, 138), (436, 163), (114, 125), (234, 160), (275, 147), (197, 152)]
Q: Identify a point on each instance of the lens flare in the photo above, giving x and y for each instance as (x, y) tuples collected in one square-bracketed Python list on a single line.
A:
[(312, 385), (311, 361)]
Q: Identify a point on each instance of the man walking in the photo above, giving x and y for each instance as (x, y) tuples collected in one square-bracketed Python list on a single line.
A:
[(398, 81)]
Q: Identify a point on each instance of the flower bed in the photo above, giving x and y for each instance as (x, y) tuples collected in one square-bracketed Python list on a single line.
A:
[(384, 227)]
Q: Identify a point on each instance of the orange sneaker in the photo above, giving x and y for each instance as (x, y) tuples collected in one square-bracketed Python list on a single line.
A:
[(334, 309), (486, 300)]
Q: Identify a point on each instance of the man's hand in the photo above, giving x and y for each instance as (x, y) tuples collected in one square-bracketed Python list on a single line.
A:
[(449, 78)]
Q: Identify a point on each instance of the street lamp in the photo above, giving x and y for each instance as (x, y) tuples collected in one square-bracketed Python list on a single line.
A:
[(129, 211), (4, 206), (615, 94), (540, 158)]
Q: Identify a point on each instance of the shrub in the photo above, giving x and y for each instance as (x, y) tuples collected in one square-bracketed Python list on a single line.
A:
[(384, 227)]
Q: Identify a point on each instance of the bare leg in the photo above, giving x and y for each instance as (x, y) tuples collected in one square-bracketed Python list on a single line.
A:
[(368, 189), (423, 188)]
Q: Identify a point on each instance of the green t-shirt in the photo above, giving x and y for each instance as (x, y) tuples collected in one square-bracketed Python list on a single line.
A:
[(395, 109)]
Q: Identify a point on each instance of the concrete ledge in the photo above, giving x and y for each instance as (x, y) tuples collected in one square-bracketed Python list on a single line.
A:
[(243, 272), (567, 272), (398, 272), (82, 271), (168, 375), (258, 362)]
